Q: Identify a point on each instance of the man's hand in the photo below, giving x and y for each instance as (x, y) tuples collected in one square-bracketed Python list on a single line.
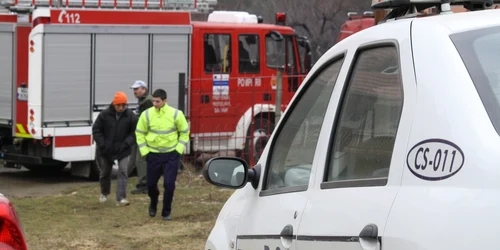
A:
[(106, 149), (103, 150)]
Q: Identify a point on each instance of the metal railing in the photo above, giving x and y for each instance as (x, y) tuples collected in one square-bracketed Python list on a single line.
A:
[(214, 117), (181, 5)]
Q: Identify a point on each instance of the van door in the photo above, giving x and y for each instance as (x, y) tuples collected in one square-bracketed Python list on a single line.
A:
[(364, 151), (272, 215)]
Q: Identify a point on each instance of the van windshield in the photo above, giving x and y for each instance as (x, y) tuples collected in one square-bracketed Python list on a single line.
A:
[(480, 52)]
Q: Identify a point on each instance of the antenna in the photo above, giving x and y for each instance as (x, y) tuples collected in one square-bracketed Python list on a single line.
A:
[(411, 8)]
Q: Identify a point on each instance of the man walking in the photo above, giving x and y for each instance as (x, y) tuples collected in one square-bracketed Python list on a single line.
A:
[(113, 132), (162, 135), (145, 101)]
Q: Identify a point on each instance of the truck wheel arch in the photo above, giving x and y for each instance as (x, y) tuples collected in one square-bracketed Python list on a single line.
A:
[(261, 112)]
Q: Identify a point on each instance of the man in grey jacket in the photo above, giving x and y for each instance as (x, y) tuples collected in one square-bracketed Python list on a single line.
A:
[(145, 101)]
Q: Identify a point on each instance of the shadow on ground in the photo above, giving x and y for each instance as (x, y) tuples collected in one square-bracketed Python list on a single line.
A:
[(25, 183)]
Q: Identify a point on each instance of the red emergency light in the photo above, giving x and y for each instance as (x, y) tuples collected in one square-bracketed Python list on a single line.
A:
[(280, 18)]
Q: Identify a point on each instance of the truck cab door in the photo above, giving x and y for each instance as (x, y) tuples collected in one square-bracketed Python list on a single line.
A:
[(212, 90), (293, 65), (305, 54), (281, 55)]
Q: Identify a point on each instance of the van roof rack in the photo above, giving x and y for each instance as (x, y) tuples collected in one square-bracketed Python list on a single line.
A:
[(411, 8)]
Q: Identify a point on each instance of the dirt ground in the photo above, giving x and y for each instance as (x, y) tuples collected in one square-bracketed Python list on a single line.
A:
[(63, 212), (23, 183)]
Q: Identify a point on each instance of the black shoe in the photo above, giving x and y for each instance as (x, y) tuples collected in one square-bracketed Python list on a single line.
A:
[(152, 212), (140, 190), (168, 217)]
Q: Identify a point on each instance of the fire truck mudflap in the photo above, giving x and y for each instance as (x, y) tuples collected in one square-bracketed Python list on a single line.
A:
[(78, 60)]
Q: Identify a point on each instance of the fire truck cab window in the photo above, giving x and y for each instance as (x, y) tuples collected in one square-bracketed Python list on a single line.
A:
[(217, 53), (248, 54), (303, 58), (275, 53)]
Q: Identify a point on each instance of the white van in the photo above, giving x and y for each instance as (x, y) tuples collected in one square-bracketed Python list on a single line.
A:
[(392, 142)]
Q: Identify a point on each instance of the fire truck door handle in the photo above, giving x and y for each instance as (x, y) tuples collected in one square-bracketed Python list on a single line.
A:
[(205, 99)]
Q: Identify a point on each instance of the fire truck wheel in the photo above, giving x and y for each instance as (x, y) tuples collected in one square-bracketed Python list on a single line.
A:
[(260, 135)]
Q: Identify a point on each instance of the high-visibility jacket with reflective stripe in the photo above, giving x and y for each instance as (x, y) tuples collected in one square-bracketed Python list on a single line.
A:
[(161, 131)]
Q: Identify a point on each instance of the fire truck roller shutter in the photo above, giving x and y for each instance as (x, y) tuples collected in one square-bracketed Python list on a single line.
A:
[(170, 57), (120, 59), (6, 80), (67, 78)]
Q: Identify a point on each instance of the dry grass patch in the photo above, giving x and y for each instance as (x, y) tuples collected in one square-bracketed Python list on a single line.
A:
[(76, 219)]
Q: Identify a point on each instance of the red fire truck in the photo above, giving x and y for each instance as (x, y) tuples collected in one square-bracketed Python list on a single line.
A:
[(355, 23), (64, 64)]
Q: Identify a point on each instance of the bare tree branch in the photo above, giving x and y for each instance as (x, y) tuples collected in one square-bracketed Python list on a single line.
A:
[(319, 20), (301, 25)]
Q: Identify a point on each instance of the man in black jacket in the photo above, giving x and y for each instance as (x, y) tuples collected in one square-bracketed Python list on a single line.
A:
[(114, 134)]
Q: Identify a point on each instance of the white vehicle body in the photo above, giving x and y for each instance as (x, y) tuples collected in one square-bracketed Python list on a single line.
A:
[(419, 167)]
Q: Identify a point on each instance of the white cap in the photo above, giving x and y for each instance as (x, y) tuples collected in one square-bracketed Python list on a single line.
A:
[(138, 84)]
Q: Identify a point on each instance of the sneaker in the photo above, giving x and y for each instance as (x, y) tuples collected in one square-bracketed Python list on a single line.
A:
[(123, 202), (102, 198)]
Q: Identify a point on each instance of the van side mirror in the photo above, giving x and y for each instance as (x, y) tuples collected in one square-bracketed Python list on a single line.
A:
[(230, 172)]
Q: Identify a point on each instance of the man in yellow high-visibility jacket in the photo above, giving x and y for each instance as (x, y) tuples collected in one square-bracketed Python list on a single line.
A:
[(162, 136)]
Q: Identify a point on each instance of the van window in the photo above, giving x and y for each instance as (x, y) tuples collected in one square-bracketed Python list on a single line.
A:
[(217, 53), (366, 126), (292, 152), (481, 55), (248, 54)]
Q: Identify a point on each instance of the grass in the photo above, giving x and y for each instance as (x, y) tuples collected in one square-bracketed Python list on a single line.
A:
[(76, 220)]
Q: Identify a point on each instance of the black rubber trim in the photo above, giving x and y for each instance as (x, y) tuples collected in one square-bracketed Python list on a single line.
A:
[(20, 159), (303, 238)]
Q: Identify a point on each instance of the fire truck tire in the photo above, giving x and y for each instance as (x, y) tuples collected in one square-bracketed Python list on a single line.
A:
[(260, 135)]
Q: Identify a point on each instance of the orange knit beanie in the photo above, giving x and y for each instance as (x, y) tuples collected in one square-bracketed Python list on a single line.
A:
[(120, 98)]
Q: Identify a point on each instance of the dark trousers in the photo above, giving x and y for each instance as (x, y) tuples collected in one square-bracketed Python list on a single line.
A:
[(105, 177), (168, 164), (137, 161)]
